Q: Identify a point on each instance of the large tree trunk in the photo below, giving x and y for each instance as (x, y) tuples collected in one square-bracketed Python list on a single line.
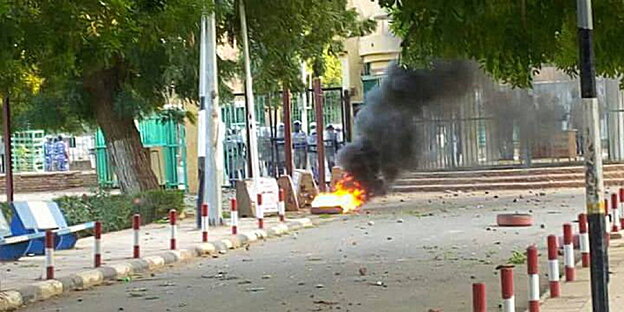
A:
[(123, 142)]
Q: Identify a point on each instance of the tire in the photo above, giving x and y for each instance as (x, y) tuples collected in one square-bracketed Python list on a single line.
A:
[(514, 219)]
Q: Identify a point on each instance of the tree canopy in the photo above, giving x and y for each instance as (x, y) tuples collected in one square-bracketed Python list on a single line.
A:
[(107, 62), (510, 39)]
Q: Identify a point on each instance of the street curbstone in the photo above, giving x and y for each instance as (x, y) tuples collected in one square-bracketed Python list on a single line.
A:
[(138, 265), (10, 300), (235, 241), (249, 236), (228, 243), (122, 269), (205, 249), (89, 278), (41, 291), (70, 282), (154, 262), (169, 257), (243, 239), (220, 246), (108, 273)]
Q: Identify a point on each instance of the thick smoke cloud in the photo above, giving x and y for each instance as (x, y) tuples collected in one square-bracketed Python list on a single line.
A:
[(387, 143)]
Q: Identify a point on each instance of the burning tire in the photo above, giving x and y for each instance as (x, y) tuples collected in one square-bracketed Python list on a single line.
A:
[(514, 219)]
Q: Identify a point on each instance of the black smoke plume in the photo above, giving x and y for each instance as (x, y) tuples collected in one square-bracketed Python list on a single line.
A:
[(386, 140)]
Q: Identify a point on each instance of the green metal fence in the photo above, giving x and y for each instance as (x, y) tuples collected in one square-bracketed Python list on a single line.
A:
[(156, 132)]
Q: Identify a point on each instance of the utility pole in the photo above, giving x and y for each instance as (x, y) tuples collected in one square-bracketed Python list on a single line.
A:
[(594, 185), (288, 151), (320, 129), (208, 143), (252, 139)]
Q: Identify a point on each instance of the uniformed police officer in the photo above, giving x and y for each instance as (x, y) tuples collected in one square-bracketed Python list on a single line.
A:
[(312, 155), (331, 145), (300, 146)]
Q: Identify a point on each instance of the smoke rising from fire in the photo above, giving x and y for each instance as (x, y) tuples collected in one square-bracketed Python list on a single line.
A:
[(386, 140)]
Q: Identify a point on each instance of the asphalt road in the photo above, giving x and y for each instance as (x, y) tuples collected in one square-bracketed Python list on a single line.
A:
[(402, 253)]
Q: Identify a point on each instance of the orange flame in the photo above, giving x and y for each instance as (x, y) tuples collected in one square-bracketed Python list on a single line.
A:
[(348, 194)]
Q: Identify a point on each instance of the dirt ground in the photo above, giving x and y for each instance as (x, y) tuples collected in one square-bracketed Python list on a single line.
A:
[(404, 252)]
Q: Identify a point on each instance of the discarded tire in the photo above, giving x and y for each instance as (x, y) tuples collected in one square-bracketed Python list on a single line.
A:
[(514, 219)]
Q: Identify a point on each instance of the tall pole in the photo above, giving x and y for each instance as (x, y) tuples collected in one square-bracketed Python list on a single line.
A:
[(304, 99), (252, 140), (594, 185), (8, 161), (209, 112), (288, 151), (320, 129)]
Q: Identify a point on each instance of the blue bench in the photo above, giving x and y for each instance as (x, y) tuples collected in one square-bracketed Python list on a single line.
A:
[(13, 247), (33, 218)]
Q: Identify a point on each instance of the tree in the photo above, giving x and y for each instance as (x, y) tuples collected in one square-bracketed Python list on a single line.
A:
[(510, 39), (107, 63)]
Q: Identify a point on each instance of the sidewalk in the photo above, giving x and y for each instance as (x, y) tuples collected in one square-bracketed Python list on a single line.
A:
[(117, 249), (576, 296)]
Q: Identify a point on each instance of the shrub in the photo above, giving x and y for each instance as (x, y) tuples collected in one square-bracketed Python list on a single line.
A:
[(115, 211)]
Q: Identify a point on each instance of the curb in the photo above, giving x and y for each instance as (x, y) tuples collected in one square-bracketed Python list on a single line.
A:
[(13, 299)]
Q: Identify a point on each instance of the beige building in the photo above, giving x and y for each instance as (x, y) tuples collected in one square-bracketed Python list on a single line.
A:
[(365, 58)]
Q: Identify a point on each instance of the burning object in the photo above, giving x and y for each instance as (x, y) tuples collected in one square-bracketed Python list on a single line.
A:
[(348, 195)]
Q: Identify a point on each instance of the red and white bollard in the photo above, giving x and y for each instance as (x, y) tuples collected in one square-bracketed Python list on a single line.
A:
[(507, 286), (533, 271), (173, 216), (49, 254), (281, 206), (553, 267), (204, 222), (583, 239), (479, 298), (621, 209), (615, 213), (136, 228), (607, 217), (234, 216), (260, 212), (97, 244), (568, 253)]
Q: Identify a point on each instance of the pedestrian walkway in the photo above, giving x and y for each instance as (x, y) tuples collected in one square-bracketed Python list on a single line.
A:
[(576, 296), (117, 248)]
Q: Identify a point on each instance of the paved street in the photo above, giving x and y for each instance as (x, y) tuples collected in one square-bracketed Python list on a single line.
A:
[(400, 254)]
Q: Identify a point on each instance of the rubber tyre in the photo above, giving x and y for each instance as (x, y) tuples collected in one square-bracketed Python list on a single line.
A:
[(514, 219)]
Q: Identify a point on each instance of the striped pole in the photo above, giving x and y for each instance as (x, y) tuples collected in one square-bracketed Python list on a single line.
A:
[(97, 245), (281, 207), (553, 267), (479, 298), (568, 253), (507, 286), (173, 216), (234, 216), (607, 216), (204, 222), (615, 213), (533, 271), (583, 240), (49, 254), (621, 209), (136, 225), (260, 212)]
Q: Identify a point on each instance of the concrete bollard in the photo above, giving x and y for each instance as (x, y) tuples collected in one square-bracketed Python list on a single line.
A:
[(568, 253), (507, 287), (533, 271), (204, 222), (136, 228), (553, 267), (234, 216), (97, 244), (49, 254), (173, 216), (260, 212), (583, 240), (479, 298)]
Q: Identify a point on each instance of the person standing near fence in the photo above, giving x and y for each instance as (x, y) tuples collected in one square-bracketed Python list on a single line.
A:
[(312, 157), (48, 151), (331, 146), (300, 145), (60, 155)]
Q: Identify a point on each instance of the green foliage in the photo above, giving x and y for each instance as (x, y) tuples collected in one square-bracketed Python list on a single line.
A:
[(510, 39), (517, 258), (115, 211)]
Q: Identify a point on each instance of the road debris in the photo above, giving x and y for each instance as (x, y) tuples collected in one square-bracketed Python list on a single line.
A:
[(255, 289)]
